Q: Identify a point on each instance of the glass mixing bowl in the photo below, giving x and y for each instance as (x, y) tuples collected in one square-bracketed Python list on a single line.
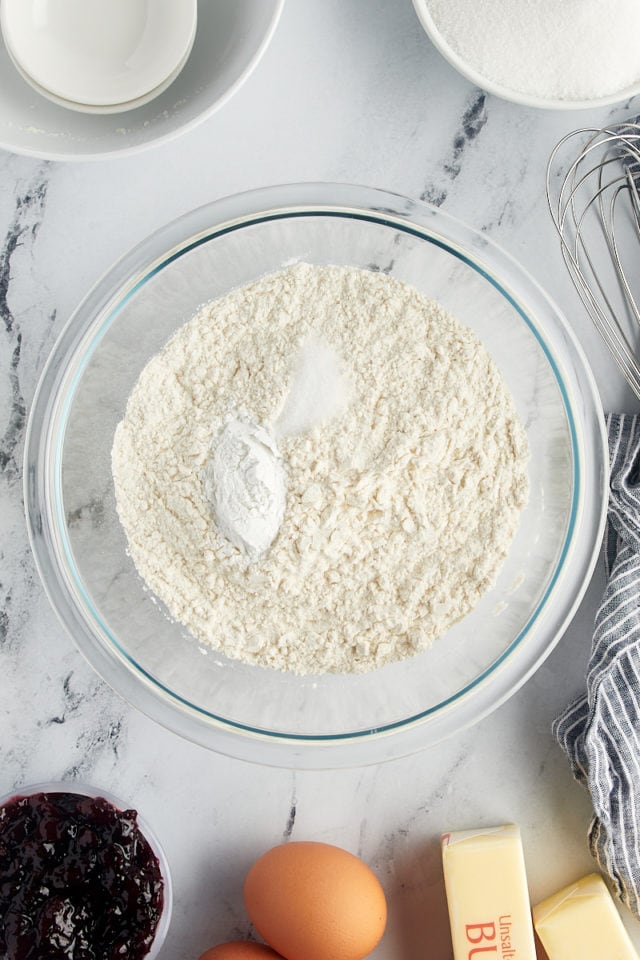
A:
[(269, 716)]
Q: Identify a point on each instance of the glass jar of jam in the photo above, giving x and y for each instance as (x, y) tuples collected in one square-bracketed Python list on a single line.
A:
[(80, 878)]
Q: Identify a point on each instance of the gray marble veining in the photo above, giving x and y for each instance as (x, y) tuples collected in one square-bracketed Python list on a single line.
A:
[(350, 90)]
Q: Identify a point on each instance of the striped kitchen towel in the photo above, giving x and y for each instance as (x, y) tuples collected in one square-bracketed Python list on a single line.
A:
[(600, 732)]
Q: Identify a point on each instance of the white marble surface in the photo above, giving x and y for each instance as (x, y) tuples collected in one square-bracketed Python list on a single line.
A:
[(350, 90)]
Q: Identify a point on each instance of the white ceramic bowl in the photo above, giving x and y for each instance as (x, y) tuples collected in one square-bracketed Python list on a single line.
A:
[(504, 92), (93, 108), (99, 53), (271, 716), (230, 39)]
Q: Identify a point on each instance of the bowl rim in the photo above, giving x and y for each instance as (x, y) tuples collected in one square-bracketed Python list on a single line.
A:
[(487, 691), (507, 93), (103, 109), (20, 46), (6, 142), (81, 788)]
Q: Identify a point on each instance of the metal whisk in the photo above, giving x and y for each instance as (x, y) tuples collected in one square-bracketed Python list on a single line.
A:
[(595, 206)]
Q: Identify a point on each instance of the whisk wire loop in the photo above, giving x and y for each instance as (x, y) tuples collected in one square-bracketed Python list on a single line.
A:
[(598, 195)]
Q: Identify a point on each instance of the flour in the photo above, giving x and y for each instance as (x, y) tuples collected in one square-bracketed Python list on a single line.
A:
[(400, 511), (555, 49)]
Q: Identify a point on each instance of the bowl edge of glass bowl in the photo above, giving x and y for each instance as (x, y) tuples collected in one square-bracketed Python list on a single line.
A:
[(295, 750)]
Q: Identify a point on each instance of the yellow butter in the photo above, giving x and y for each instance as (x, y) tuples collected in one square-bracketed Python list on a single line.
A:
[(487, 895), (581, 920)]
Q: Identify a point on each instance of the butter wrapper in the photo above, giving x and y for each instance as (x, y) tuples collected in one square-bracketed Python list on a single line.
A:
[(487, 896), (581, 920)]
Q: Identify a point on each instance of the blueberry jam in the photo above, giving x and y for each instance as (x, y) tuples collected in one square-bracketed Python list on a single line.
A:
[(78, 880)]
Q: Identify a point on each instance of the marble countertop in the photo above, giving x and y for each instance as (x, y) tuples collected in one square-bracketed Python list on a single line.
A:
[(349, 90)]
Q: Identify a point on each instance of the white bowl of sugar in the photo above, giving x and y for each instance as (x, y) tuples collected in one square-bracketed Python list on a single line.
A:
[(567, 55)]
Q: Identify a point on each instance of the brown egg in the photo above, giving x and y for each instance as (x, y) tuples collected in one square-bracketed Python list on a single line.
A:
[(314, 901), (240, 950)]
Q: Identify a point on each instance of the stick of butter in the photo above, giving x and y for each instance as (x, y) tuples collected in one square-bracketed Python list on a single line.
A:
[(581, 920), (487, 895)]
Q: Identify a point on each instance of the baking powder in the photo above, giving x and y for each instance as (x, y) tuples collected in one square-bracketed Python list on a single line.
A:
[(246, 484)]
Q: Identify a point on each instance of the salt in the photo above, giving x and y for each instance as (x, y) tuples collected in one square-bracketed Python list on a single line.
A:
[(318, 390), (550, 49)]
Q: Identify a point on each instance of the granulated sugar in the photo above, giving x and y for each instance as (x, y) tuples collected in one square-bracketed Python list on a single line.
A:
[(399, 511), (553, 49)]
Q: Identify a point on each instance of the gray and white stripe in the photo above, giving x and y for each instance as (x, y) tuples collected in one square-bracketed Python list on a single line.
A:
[(600, 731)]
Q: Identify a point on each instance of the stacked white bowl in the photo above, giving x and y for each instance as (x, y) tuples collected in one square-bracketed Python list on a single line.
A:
[(99, 56)]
